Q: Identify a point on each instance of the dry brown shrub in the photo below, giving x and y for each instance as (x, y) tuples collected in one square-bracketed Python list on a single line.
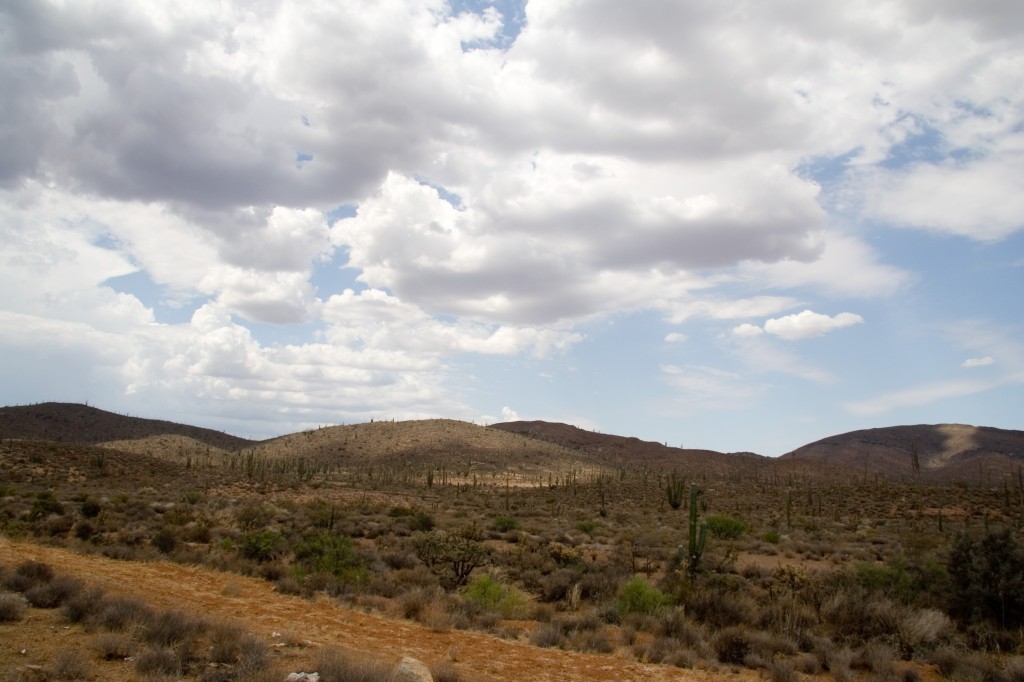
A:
[(436, 616), (781, 670), (923, 629), (52, 594), (84, 605), (112, 646), (1014, 669), (158, 661), (70, 666), (225, 641), (878, 658), (119, 613), (444, 671), (548, 635), (12, 607), (335, 665)]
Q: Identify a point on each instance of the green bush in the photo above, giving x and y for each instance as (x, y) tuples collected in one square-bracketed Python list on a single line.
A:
[(90, 508), (725, 527), (489, 594), (422, 521), (987, 576), (772, 537), (263, 545), (504, 524), (637, 596), (453, 556), (44, 505), (331, 554), (164, 541), (586, 527)]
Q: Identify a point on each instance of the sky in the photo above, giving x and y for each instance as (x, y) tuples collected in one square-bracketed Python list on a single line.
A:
[(741, 225)]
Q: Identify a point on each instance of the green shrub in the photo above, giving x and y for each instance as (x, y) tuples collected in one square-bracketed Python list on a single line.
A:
[(331, 554), (421, 521), (987, 577), (264, 545), (489, 594), (725, 527), (504, 524), (637, 596), (254, 516), (771, 537), (452, 555), (165, 541), (44, 505), (586, 527), (90, 508)]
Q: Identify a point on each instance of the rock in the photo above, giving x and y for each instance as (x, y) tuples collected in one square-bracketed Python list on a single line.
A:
[(31, 673), (411, 670), (303, 677)]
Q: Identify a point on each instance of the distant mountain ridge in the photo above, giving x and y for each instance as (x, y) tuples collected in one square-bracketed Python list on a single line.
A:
[(77, 423), (942, 451)]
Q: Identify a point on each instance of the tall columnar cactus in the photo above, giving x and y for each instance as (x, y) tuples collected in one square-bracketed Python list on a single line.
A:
[(674, 490), (697, 536)]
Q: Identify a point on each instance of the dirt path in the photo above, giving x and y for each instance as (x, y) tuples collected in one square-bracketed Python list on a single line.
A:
[(322, 622)]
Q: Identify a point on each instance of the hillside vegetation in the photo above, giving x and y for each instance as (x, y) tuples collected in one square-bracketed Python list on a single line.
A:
[(553, 538)]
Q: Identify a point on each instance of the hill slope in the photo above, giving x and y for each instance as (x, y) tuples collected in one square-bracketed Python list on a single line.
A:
[(944, 451), (460, 448), (75, 423)]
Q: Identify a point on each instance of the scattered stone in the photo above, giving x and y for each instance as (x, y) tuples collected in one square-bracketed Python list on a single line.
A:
[(32, 673), (411, 670)]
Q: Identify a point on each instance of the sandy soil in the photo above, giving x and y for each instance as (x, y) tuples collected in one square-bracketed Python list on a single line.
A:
[(278, 617)]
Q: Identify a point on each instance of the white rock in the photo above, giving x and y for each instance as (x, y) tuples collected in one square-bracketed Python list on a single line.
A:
[(411, 670)]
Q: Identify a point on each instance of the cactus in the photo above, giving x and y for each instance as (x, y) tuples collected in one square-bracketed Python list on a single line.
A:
[(697, 536), (674, 491)]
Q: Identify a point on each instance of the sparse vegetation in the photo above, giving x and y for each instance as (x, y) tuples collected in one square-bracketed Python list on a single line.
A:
[(776, 566)]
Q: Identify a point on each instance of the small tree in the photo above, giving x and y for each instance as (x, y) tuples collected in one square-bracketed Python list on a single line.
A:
[(987, 578), (453, 556)]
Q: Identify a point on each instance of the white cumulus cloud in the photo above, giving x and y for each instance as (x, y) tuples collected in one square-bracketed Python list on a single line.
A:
[(809, 324)]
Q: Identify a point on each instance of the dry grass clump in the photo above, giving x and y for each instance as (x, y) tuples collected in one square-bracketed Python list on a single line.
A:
[(158, 661), (83, 605), (27, 575), (876, 658), (113, 646), (172, 628), (12, 607), (549, 635), (334, 665), (119, 613), (52, 594), (70, 666)]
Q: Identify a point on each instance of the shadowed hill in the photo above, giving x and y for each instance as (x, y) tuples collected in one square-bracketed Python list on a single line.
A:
[(74, 423), (943, 451), (621, 451)]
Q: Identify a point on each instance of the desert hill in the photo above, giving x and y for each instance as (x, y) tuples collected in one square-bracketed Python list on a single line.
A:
[(621, 451), (526, 451), (456, 449), (943, 451), (75, 423)]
